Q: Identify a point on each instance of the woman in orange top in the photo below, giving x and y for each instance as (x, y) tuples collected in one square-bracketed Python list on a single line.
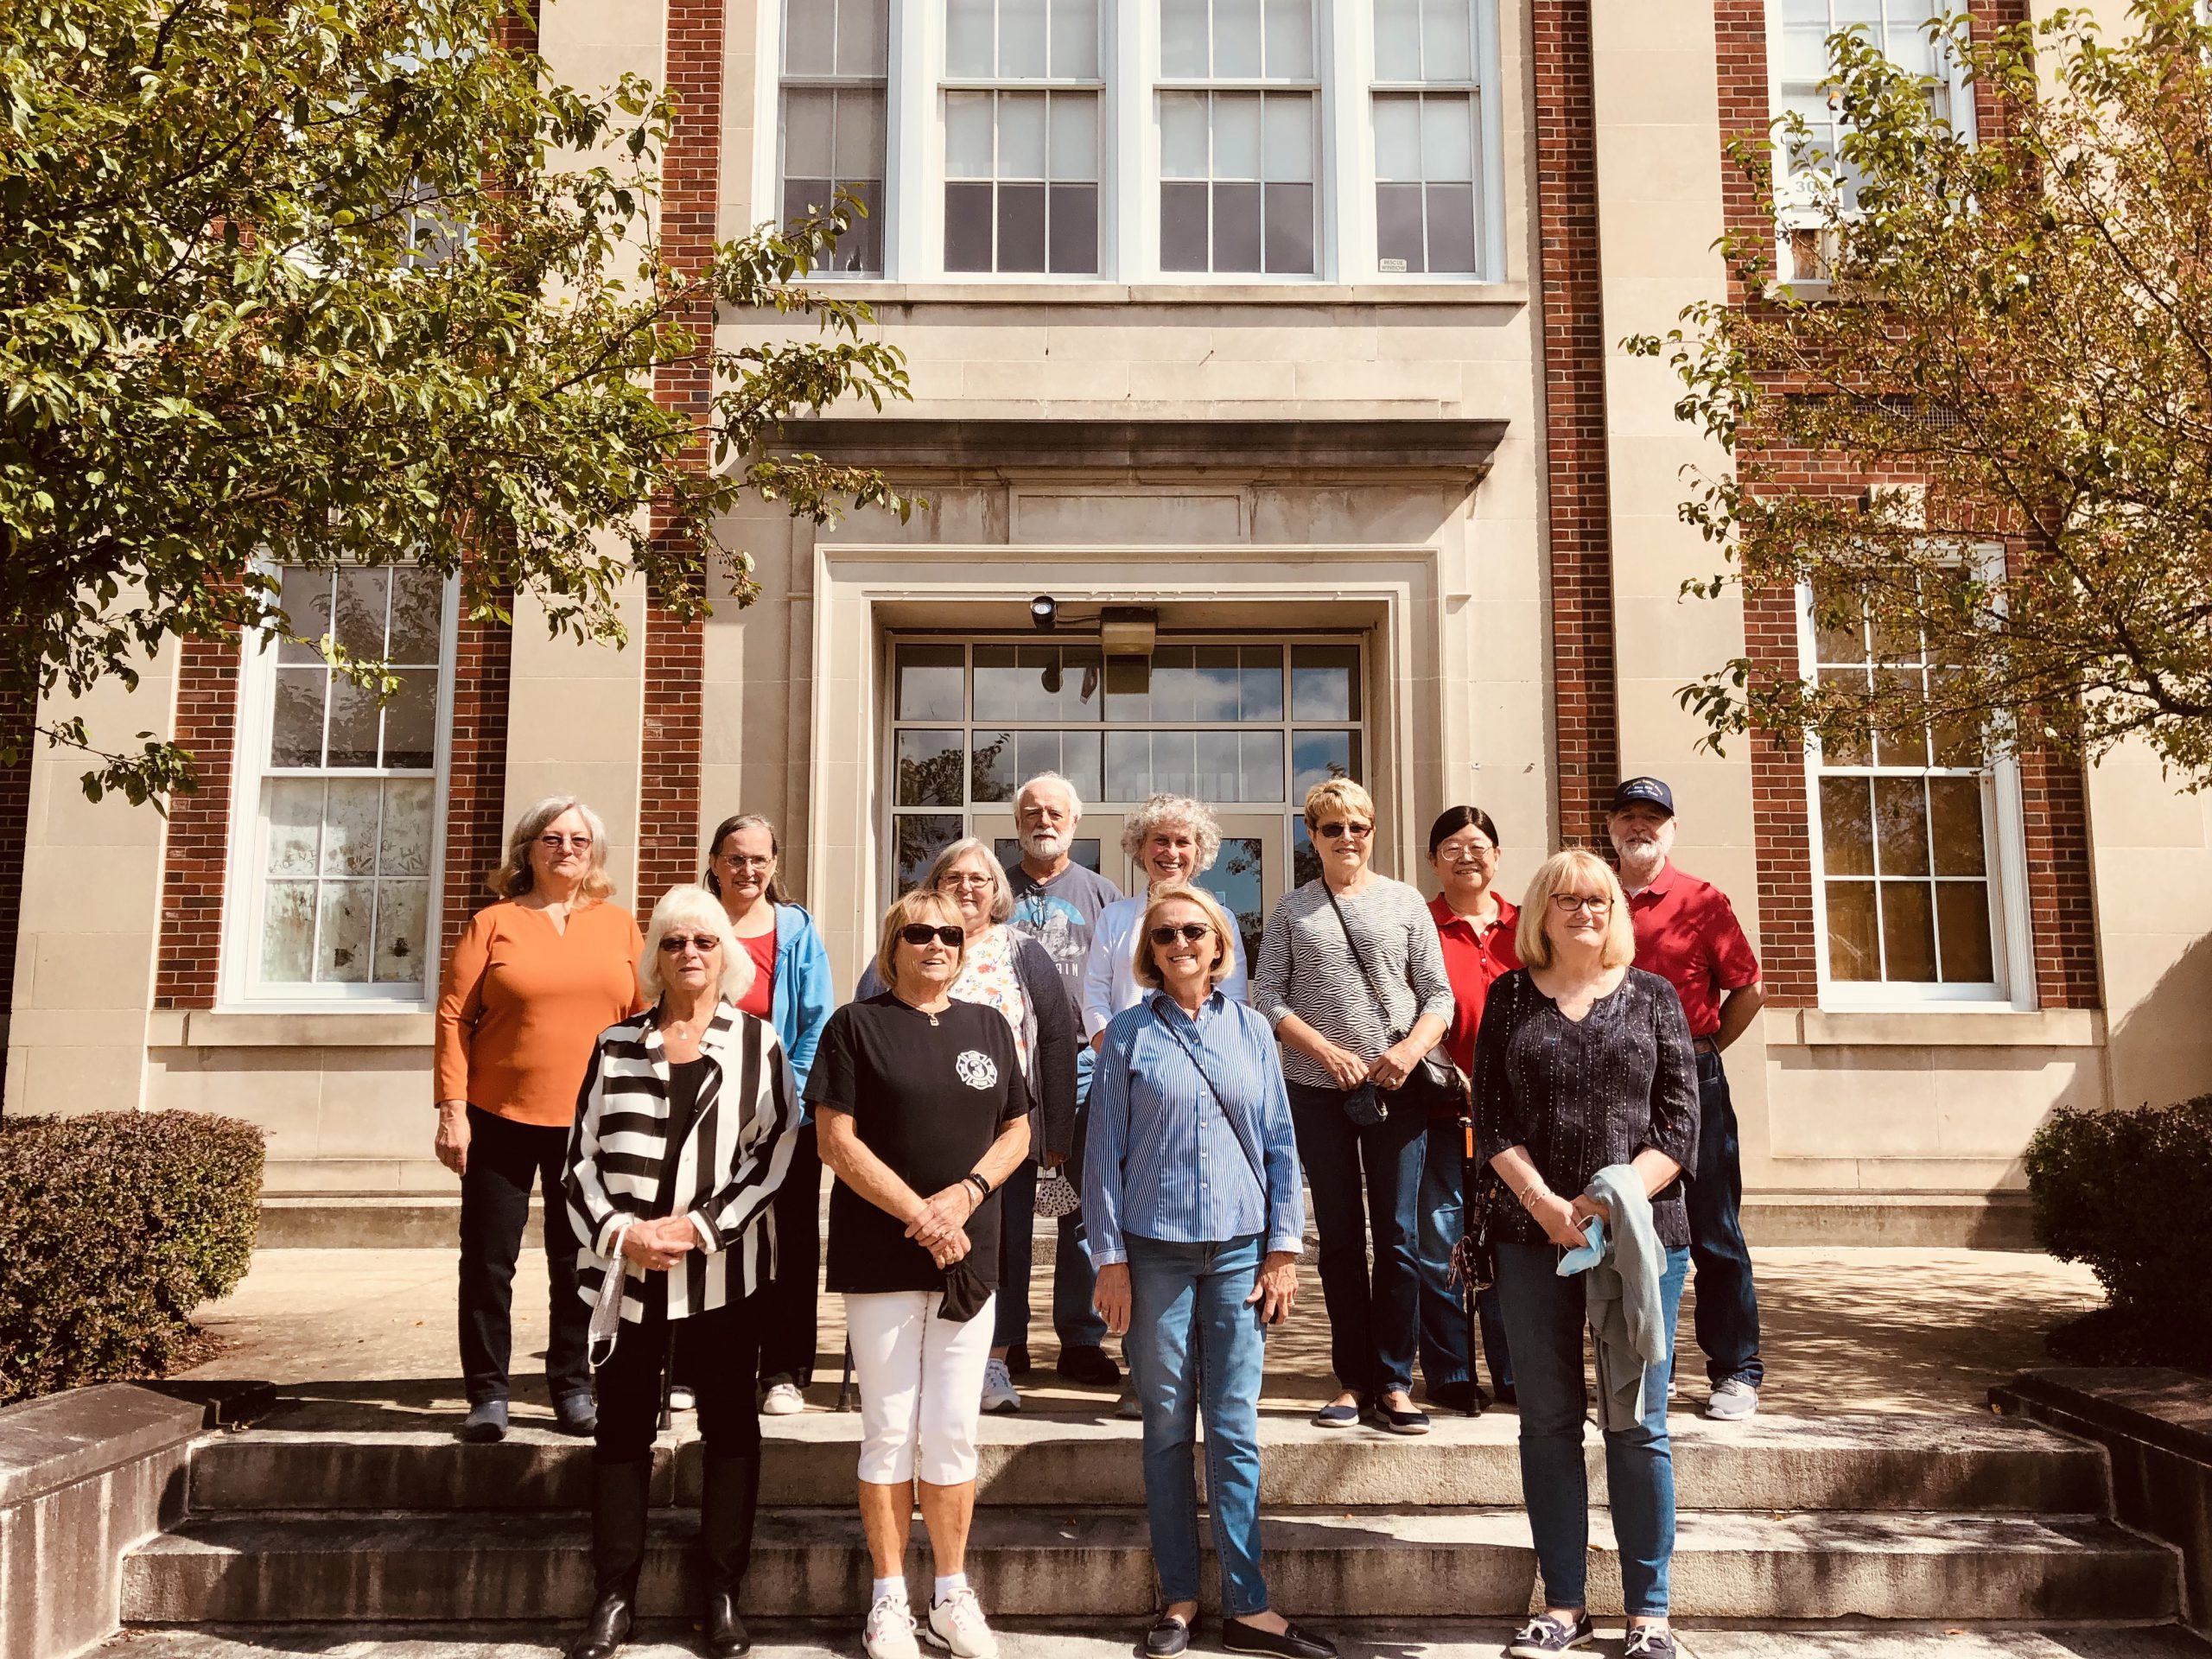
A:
[(533, 982)]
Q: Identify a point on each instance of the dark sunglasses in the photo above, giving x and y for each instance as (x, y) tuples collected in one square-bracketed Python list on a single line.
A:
[(673, 943), (1357, 832), (922, 933), (1192, 932)]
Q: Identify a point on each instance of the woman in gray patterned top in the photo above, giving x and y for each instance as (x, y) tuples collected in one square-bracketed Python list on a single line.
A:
[(1333, 947)]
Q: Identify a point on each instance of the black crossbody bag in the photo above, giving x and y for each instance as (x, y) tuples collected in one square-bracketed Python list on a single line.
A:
[(1365, 1105)]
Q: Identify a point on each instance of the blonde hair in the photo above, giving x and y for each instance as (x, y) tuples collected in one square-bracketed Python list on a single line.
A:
[(1225, 952), (1344, 794), (1161, 810), (1002, 889), (922, 904), (694, 907), (1563, 873), (515, 877)]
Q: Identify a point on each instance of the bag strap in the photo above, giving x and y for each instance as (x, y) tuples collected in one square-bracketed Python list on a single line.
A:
[(1381, 1008), (1221, 1100)]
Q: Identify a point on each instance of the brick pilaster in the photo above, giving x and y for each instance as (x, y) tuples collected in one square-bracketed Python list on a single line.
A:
[(188, 960), (476, 770)]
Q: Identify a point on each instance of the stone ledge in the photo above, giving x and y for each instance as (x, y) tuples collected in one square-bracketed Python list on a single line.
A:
[(1942, 1028), (348, 1028), (1377, 295), (1981, 1221), (62, 1439)]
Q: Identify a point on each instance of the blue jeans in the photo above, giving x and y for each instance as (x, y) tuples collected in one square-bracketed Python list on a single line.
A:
[(1195, 1345), (1545, 1316), (1443, 1356), (1727, 1302), (1366, 1180), (1073, 1283)]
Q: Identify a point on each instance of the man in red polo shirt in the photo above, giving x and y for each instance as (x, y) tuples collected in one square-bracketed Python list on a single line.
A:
[(1687, 932)]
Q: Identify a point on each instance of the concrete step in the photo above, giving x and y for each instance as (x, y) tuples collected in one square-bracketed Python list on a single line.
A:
[(1867, 1461), (1086, 1562), (1428, 1639)]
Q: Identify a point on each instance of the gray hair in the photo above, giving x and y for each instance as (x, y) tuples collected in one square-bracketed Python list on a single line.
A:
[(694, 907), (514, 877), (1164, 810), (1055, 781), (1002, 890)]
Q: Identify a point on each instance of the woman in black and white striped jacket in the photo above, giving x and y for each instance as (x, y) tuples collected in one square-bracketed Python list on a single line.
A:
[(684, 1130)]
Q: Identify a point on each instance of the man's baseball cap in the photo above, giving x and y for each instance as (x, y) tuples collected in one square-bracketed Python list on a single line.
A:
[(1648, 791)]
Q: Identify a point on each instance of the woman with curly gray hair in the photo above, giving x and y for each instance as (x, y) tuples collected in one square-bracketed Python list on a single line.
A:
[(533, 980), (1174, 840)]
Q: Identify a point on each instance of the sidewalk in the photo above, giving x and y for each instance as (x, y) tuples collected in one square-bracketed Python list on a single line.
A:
[(1845, 1331)]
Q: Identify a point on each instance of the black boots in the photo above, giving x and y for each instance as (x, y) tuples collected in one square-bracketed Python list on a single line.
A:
[(728, 1494), (619, 1495)]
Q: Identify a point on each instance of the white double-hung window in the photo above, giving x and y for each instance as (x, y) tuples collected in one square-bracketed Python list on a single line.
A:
[(1918, 853), (337, 800), (1022, 107), (833, 91), (1429, 202), (1239, 111)]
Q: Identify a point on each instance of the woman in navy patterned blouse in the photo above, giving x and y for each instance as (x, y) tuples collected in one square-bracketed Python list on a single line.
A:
[(1583, 1063)]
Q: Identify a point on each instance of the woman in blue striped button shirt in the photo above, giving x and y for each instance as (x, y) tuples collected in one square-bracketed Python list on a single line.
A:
[(1190, 1184)]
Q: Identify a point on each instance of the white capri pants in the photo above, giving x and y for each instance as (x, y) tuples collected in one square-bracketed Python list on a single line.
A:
[(921, 1381)]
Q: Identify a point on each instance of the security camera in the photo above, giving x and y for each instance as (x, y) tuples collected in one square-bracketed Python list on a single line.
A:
[(1043, 613)]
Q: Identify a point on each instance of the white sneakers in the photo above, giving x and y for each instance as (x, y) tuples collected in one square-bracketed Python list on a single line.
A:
[(957, 1624), (1732, 1401), (781, 1400), (999, 1394), (889, 1633), (682, 1399)]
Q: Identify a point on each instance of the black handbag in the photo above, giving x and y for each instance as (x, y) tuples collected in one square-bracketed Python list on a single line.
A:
[(1365, 1105)]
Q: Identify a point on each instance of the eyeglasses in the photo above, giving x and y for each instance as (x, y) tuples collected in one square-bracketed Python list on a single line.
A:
[(1567, 903), (1192, 932), (676, 944), (1357, 831), (1465, 852), (974, 879), (922, 933), (749, 861), (554, 843)]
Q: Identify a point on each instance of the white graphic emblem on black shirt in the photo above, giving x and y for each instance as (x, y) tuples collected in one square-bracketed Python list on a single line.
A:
[(976, 1069)]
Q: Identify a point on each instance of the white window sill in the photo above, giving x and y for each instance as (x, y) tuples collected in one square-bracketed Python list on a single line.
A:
[(1385, 291), (1993, 1027), (387, 1027)]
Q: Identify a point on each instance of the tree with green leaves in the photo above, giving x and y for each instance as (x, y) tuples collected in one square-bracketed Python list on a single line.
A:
[(325, 283), (2008, 343)]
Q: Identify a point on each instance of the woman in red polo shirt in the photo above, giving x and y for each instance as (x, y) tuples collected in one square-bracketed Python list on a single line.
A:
[(1476, 927)]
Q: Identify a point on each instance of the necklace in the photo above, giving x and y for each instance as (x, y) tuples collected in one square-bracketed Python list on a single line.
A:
[(918, 1009)]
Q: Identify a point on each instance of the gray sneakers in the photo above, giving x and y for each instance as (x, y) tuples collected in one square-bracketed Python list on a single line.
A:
[(1732, 1401)]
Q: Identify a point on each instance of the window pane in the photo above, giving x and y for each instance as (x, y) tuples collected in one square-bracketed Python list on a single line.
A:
[(861, 248), (1908, 933), (1128, 688), (968, 227), (305, 595), (1846, 826), (1316, 757), (1030, 754), (361, 621), (968, 135), (351, 820), (1182, 135), (1216, 667), (1021, 135), (1128, 767), (1022, 38), (1235, 39), (1290, 40), (929, 769), (1236, 135), (403, 841), (858, 149), (1398, 39), (1962, 924), (1183, 227), (805, 196), (295, 808), (809, 118), (1238, 880), (1259, 762), (1954, 809), (295, 719), (1452, 227), (1075, 136), (1075, 39), (810, 37), (1901, 825), (410, 721), (863, 36), (1021, 227), (921, 836), (1183, 39), (1447, 40), (288, 934), (402, 926), (1220, 775), (1805, 50), (354, 718), (968, 26), (1289, 151), (1397, 137), (342, 931), (930, 681), (992, 765), (1398, 225), (1325, 683), (1447, 141), (1075, 230), (1259, 688), (1174, 683), (1174, 764), (1290, 228), (1844, 639), (1854, 945), (418, 610), (1305, 862), (1237, 227)]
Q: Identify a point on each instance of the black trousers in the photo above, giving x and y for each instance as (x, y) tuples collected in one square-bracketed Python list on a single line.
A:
[(788, 1336), (505, 1159), (718, 1351)]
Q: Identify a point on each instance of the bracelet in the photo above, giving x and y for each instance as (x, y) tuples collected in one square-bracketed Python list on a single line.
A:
[(1536, 1187), (980, 1182)]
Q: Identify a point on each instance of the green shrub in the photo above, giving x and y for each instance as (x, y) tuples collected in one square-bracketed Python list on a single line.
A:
[(2130, 1194), (114, 1226)]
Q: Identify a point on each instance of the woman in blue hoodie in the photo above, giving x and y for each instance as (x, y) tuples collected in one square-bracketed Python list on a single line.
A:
[(790, 990)]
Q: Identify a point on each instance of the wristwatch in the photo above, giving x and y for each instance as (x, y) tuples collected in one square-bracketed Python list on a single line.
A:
[(981, 1183)]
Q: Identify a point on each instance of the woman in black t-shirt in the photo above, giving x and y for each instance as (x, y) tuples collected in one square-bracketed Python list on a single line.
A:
[(921, 1114)]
